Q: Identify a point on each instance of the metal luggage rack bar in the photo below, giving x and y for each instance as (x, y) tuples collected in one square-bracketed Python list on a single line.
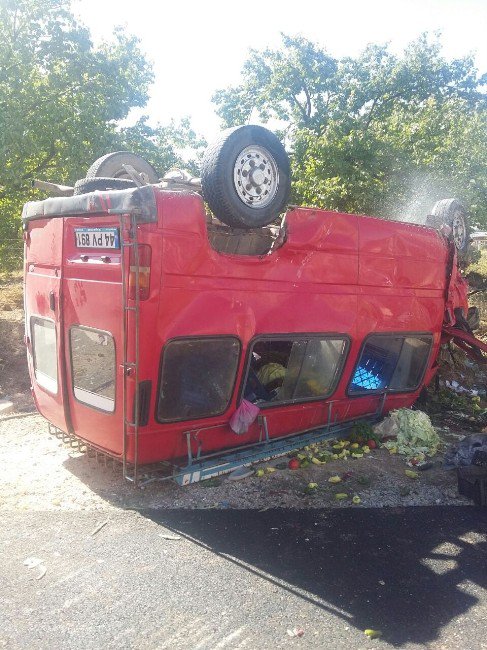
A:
[(200, 467), (216, 464)]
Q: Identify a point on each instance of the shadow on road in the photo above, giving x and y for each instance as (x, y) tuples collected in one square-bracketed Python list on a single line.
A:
[(407, 572)]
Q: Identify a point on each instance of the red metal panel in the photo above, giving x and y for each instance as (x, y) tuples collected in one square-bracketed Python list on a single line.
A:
[(321, 248), (42, 279), (336, 273), (394, 254)]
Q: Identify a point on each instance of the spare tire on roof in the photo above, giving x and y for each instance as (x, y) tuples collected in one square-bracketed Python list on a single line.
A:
[(111, 165), (452, 213), (246, 177), (85, 185)]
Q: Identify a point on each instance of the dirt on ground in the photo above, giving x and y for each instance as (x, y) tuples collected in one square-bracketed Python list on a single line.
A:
[(14, 378), (41, 472)]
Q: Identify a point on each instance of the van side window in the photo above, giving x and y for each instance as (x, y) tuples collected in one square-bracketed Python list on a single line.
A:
[(395, 363), (294, 369), (197, 377), (412, 363), (43, 334), (93, 367)]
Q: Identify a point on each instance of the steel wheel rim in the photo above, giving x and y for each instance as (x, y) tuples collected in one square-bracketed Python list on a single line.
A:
[(255, 176), (459, 230)]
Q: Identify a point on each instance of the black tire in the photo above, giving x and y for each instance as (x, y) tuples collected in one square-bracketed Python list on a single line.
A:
[(110, 166), (454, 214), (85, 185), (264, 196)]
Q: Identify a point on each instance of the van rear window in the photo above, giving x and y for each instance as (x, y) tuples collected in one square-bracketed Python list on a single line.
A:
[(43, 334), (395, 363), (197, 378), (294, 369), (93, 367)]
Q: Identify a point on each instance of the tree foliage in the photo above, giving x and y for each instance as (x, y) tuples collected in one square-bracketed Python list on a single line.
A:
[(380, 133), (61, 102)]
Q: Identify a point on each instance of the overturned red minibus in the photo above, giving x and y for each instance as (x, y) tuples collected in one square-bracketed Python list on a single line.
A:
[(148, 323)]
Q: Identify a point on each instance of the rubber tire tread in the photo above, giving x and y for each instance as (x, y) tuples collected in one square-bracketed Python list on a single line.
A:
[(217, 177), (442, 213), (110, 166), (85, 185)]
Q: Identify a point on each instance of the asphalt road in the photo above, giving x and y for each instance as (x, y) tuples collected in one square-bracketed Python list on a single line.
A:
[(241, 578)]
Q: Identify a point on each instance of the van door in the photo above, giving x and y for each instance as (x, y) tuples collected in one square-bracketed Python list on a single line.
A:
[(43, 319), (93, 328)]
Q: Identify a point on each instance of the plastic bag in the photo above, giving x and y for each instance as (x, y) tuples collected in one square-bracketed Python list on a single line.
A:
[(462, 453), (243, 417)]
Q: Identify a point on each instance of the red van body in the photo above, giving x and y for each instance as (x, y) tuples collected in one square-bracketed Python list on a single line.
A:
[(98, 349)]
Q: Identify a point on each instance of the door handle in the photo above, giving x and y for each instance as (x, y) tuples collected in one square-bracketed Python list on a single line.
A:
[(52, 301)]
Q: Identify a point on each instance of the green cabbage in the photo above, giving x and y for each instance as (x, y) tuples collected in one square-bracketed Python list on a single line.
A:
[(415, 433)]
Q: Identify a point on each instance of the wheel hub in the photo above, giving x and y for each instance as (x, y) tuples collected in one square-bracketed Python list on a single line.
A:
[(459, 231), (255, 176)]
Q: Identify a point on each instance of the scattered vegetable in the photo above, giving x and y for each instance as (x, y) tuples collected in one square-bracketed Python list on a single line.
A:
[(361, 432), (411, 473), (334, 479), (340, 496), (356, 500), (373, 634), (294, 463), (311, 488), (415, 433)]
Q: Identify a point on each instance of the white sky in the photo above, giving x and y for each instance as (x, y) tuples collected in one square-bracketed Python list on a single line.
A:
[(199, 47)]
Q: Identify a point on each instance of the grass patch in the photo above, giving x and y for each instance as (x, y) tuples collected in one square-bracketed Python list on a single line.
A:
[(11, 290)]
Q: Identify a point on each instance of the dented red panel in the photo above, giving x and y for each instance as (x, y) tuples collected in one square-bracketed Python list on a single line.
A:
[(394, 254)]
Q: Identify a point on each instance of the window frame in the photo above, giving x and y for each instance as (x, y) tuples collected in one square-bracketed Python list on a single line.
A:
[(100, 331), (211, 337), (293, 337), (382, 391), (36, 317)]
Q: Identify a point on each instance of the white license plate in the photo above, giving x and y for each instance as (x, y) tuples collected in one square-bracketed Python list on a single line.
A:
[(97, 238)]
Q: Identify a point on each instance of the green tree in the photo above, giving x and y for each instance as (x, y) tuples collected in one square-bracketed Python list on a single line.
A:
[(382, 134), (172, 145), (61, 100)]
